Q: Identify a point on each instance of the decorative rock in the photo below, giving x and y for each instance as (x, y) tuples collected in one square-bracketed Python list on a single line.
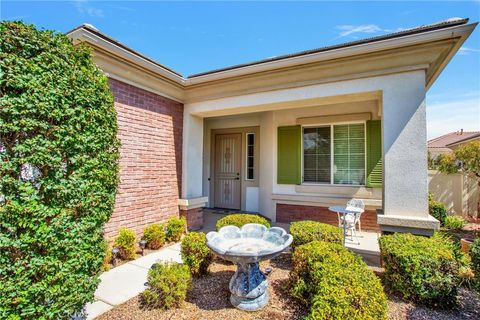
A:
[(246, 247)]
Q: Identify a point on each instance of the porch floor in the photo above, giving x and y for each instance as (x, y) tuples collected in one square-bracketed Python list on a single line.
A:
[(368, 247)]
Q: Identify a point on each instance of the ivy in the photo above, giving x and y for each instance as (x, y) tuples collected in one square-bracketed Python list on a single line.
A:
[(58, 173)]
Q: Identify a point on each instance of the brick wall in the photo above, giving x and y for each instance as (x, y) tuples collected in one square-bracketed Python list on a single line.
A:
[(289, 213), (150, 130), (194, 218)]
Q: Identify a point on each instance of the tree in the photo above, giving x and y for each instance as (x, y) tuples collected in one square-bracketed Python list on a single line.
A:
[(58, 173), (465, 159)]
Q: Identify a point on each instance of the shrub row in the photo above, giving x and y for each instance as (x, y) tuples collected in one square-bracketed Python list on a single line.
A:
[(307, 231), (421, 269), (335, 283), (240, 219)]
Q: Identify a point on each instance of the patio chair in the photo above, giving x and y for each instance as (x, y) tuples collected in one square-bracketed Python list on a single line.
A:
[(351, 220)]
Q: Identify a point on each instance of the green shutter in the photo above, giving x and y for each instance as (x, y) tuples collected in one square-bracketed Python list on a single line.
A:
[(374, 154), (289, 148)]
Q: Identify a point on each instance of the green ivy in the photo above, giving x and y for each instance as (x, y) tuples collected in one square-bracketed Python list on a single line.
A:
[(58, 173)]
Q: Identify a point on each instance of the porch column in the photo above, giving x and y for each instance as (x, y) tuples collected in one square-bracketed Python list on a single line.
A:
[(405, 176), (192, 199)]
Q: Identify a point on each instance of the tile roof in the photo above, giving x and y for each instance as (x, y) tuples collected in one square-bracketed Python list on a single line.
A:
[(452, 138)]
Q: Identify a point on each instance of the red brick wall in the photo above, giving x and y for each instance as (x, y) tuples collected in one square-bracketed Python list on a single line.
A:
[(194, 218), (150, 130), (289, 213)]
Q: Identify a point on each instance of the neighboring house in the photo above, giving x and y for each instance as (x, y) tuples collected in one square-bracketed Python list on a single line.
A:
[(286, 137), (451, 141)]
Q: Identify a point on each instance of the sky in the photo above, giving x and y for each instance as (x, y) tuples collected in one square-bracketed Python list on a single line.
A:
[(192, 37)]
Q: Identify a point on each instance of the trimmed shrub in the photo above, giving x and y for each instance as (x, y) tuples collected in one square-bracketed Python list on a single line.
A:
[(58, 172), (175, 229), (437, 209), (335, 283), (195, 253), (454, 222), (108, 258), (241, 219), (307, 231), (168, 284), (154, 234), (126, 242), (475, 254), (421, 269)]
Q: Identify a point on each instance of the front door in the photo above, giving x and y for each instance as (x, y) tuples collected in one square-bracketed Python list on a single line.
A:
[(227, 170)]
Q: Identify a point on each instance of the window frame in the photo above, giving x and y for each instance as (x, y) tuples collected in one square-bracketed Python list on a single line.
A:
[(332, 156), (246, 156)]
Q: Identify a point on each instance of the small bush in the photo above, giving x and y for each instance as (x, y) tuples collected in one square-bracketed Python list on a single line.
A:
[(126, 243), (307, 231), (475, 254), (154, 235), (108, 258), (437, 209), (421, 269), (195, 253), (454, 222), (168, 284), (240, 219), (335, 283), (175, 228)]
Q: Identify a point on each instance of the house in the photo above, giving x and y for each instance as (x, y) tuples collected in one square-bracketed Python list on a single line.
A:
[(451, 141), (286, 137)]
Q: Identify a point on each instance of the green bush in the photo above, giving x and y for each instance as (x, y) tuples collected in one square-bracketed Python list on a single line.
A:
[(58, 172), (175, 229), (335, 283), (454, 222), (421, 269), (240, 219), (195, 253), (154, 234), (168, 284), (475, 255), (126, 242), (307, 231), (108, 258), (437, 209)]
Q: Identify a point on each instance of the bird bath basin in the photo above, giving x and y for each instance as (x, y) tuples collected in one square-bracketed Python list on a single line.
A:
[(246, 247)]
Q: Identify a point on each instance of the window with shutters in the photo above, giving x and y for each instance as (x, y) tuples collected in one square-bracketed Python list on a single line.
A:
[(334, 154)]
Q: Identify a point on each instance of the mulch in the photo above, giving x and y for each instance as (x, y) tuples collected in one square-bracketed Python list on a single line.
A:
[(209, 299)]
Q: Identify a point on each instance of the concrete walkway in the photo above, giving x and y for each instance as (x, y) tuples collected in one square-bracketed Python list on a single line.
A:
[(127, 281)]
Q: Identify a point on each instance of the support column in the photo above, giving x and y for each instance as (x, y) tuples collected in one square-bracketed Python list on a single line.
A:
[(405, 180), (192, 202)]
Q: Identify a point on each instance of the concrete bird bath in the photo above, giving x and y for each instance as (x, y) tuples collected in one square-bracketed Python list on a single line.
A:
[(246, 247)]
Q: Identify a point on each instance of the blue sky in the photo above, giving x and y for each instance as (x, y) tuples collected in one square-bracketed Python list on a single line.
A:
[(192, 37)]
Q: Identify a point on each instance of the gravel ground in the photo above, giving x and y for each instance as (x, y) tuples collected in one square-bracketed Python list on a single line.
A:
[(209, 299)]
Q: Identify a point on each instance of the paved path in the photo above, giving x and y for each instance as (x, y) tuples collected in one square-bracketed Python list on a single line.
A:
[(127, 281)]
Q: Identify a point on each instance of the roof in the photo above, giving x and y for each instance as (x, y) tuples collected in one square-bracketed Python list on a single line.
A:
[(452, 138), (425, 28), (417, 30)]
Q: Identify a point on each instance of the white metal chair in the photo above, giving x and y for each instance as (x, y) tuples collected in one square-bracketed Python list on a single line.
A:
[(352, 219)]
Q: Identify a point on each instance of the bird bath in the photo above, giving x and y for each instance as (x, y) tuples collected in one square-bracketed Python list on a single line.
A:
[(246, 247)]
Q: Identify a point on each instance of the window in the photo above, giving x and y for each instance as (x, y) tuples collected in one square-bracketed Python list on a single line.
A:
[(334, 154), (250, 153)]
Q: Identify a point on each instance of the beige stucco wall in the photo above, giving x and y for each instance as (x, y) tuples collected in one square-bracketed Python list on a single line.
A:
[(457, 191)]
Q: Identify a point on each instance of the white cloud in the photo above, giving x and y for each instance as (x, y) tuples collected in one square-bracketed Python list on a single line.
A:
[(466, 51), (452, 116), (84, 8), (351, 30)]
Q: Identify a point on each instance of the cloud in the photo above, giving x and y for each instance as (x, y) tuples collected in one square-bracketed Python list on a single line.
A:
[(352, 30), (464, 51), (452, 116), (84, 8)]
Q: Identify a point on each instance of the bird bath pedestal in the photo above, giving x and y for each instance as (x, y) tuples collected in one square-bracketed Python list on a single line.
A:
[(246, 247)]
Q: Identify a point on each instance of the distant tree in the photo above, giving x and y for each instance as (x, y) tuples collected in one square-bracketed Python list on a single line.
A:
[(58, 173), (465, 159)]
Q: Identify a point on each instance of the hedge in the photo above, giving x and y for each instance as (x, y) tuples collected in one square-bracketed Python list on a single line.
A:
[(126, 242), (58, 173), (175, 228), (154, 234), (195, 253), (240, 219), (335, 283), (475, 255), (307, 231), (168, 284), (421, 269)]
